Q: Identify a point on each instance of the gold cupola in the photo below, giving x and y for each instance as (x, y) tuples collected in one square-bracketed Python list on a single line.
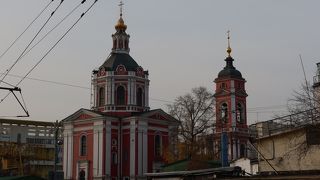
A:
[(120, 26)]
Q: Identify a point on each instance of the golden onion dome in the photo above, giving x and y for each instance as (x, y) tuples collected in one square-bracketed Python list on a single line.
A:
[(120, 25)]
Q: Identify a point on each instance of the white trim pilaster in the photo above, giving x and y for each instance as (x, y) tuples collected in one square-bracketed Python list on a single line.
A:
[(112, 90), (132, 147), (142, 148), (108, 148), (134, 89), (129, 91), (97, 148), (67, 151)]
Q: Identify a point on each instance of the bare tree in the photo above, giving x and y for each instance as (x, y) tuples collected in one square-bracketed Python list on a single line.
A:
[(305, 102), (195, 111)]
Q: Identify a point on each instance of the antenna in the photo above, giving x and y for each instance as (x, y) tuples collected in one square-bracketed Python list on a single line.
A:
[(304, 72), (307, 86)]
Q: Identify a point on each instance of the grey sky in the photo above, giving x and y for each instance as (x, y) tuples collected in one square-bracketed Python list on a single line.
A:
[(182, 43)]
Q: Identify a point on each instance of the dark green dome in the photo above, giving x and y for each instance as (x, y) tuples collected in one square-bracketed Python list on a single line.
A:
[(115, 59), (229, 70)]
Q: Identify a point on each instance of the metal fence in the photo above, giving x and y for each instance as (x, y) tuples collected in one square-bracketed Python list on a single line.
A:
[(284, 123)]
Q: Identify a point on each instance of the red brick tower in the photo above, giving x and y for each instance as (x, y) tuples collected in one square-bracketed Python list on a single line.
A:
[(231, 117)]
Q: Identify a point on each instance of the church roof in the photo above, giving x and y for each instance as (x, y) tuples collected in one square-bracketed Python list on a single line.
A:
[(229, 70), (115, 59), (97, 114)]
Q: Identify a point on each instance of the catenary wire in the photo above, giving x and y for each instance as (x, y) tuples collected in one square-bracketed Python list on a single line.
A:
[(26, 29), (74, 9), (48, 81), (45, 55), (250, 110), (154, 99), (16, 61)]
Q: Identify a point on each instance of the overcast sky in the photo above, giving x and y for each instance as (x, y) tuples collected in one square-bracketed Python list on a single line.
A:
[(182, 43)]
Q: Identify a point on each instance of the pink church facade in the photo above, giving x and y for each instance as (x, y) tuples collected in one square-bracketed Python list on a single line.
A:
[(120, 137)]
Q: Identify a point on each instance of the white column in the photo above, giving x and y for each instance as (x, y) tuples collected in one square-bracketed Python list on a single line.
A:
[(134, 88), (108, 148), (108, 91), (112, 91), (129, 91), (142, 148), (97, 148), (67, 151), (145, 148), (132, 147)]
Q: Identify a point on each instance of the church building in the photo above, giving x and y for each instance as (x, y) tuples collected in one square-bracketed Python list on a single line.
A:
[(231, 129), (120, 137)]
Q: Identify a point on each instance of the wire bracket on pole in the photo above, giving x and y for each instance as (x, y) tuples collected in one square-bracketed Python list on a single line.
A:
[(17, 89)]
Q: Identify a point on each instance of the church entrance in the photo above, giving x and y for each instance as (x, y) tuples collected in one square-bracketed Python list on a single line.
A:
[(82, 175)]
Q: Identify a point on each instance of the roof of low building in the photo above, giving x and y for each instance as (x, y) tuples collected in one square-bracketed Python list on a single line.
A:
[(189, 164)]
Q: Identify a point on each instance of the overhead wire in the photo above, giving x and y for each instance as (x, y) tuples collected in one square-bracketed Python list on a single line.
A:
[(261, 109), (26, 29), (52, 82), (63, 19), (16, 61), (45, 55)]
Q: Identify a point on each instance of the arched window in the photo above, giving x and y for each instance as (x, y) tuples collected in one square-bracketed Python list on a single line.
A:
[(240, 113), (120, 95), (140, 97), (83, 145), (224, 111), (101, 97), (157, 145), (223, 85)]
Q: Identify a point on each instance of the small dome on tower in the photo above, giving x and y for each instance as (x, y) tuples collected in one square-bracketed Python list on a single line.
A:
[(229, 70), (120, 25)]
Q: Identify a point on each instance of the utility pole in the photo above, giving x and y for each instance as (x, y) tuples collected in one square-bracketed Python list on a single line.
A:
[(57, 143)]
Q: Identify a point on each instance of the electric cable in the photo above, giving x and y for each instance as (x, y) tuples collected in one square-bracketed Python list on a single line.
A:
[(45, 55), (48, 81), (26, 29), (8, 70), (8, 84), (63, 19)]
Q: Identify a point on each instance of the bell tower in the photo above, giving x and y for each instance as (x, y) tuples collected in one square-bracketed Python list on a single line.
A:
[(231, 130), (120, 86)]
